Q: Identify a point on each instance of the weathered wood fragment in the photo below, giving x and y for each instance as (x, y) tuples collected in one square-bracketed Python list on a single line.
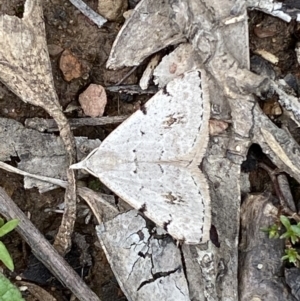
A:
[(49, 125), (132, 89), (260, 264), (292, 276), (88, 12), (25, 68), (145, 260), (39, 153)]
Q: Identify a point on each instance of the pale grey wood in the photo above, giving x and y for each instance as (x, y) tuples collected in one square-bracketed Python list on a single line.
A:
[(88, 12), (284, 186), (287, 100), (292, 276), (260, 257), (276, 143), (39, 153), (148, 72), (131, 89), (181, 60), (277, 9), (143, 14), (148, 266), (49, 125)]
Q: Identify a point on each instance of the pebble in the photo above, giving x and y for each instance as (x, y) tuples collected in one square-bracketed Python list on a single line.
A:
[(112, 10), (93, 100), (70, 65), (54, 49)]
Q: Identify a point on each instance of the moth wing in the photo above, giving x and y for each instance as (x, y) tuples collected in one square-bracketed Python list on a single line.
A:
[(151, 159), (173, 126), (174, 197)]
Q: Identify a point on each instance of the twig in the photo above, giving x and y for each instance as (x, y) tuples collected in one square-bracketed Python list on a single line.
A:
[(49, 125), (132, 89), (278, 189), (126, 76), (88, 12), (93, 199), (286, 191), (43, 250)]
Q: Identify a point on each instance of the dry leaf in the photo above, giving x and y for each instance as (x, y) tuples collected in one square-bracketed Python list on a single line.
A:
[(25, 68)]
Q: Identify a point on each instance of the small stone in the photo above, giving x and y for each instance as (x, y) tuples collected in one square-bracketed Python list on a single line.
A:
[(93, 100), (260, 266), (112, 10), (70, 65)]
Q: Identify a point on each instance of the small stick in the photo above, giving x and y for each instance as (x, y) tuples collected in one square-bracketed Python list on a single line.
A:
[(126, 76), (278, 190), (50, 125), (286, 191), (93, 199), (132, 89), (88, 12), (43, 250)]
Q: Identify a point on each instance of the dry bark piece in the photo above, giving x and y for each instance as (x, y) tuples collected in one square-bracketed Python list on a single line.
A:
[(260, 257), (276, 143), (70, 65), (93, 100), (292, 277), (25, 68), (147, 266), (132, 89), (286, 10), (39, 153), (182, 59), (148, 72), (112, 10), (139, 25)]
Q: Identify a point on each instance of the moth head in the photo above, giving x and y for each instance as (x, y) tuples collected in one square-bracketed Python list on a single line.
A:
[(97, 162)]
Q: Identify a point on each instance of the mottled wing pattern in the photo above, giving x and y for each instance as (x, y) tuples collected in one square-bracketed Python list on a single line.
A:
[(151, 160)]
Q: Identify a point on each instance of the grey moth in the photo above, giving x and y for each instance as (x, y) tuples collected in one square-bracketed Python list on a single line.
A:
[(151, 160)]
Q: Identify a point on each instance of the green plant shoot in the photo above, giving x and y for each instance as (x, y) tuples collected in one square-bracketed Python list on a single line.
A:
[(4, 254), (9, 292)]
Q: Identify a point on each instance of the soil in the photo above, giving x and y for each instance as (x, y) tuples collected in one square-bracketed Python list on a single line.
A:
[(67, 28)]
